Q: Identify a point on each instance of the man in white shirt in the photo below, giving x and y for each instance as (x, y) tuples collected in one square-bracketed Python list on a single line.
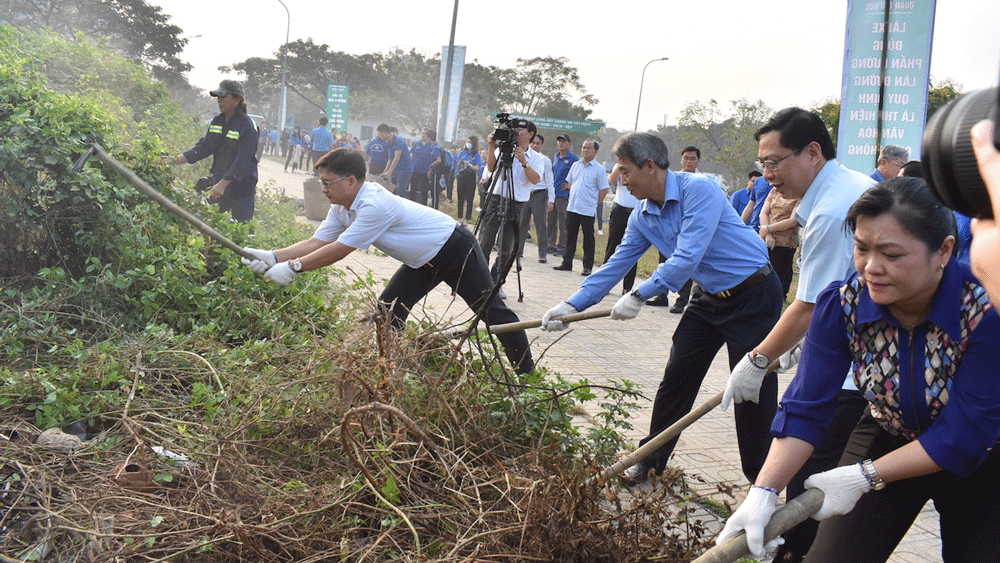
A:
[(502, 212), (588, 185), (431, 245), (541, 201)]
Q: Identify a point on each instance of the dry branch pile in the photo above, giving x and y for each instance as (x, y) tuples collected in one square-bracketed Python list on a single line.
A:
[(370, 448)]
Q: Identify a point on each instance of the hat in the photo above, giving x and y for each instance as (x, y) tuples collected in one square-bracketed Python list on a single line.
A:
[(228, 87), (564, 137)]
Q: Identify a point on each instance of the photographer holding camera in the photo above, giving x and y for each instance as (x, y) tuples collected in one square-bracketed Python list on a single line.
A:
[(519, 169)]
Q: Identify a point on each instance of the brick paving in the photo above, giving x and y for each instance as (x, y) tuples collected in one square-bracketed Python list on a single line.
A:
[(602, 349)]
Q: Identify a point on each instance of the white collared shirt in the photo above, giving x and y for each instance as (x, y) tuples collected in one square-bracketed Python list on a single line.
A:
[(586, 182), (407, 231), (522, 186)]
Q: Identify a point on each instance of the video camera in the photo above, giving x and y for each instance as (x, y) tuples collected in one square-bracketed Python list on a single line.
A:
[(949, 161), (505, 135)]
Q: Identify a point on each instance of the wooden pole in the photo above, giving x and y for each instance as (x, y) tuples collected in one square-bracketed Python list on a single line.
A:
[(785, 518), (156, 196), (669, 433), (524, 325)]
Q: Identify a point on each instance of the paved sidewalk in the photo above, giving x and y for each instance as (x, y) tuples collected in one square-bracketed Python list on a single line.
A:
[(602, 349)]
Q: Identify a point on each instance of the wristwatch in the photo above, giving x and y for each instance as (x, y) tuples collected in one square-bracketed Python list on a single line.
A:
[(635, 293), (759, 360), (296, 265), (868, 468)]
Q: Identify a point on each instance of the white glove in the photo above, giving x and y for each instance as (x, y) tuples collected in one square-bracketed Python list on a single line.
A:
[(744, 383), (842, 487), (752, 516), (627, 307), (264, 259), (560, 310), (281, 274), (790, 359)]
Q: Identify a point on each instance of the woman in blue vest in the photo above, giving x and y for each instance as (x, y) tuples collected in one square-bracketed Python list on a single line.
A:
[(919, 334)]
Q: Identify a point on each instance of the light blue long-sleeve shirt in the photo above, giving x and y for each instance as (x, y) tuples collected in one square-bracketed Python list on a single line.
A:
[(699, 232)]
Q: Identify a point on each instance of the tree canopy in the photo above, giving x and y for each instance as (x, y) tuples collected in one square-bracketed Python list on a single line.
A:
[(139, 31)]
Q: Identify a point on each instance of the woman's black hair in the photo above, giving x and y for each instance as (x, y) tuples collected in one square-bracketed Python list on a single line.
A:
[(912, 204), (475, 144)]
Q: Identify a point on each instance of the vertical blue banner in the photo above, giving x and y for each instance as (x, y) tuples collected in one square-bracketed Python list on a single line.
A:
[(338, 105), (450, 129), (883, 98)]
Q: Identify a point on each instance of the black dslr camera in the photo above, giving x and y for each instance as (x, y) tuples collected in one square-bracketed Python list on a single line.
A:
[(505, 135), (949, 162)]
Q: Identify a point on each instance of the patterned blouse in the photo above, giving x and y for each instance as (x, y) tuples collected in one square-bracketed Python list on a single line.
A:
[(939, 383)]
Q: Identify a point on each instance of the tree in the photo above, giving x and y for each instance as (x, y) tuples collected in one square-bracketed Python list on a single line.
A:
[(138, 30), (940, 94), (544, 80), (725, 137)]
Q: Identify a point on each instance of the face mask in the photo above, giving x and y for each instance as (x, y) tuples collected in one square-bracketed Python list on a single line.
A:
[(468, 146)]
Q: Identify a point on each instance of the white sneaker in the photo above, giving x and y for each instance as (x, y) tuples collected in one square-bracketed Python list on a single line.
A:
[(501, 294), (600, 231)]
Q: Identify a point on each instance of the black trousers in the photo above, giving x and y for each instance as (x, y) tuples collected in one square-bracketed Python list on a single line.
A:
[(617, 222), (969, 508), (420, 186), (782, 258), (461, 264), (740, 322), (465, 191), (574, 224), (502, 218)]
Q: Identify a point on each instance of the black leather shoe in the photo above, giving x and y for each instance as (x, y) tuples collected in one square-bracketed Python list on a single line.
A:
[(660, 300), (678, 307), (585, 272), (563, 267)]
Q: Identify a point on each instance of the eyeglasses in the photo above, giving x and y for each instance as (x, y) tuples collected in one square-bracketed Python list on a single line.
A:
[(772, 165), (326, 183)]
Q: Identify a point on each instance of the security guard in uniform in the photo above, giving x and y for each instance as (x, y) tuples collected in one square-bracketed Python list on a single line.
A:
[(231, 140)]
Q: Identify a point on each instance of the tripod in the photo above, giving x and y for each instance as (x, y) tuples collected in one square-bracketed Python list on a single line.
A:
[(502, 222)]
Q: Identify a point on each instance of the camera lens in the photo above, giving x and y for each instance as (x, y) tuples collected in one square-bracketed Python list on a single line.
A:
[(950, 166)]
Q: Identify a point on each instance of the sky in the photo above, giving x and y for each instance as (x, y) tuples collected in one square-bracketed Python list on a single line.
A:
[(784, 52)]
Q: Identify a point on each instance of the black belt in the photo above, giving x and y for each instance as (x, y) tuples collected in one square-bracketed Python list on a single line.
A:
[(755, 278), (442, 254)]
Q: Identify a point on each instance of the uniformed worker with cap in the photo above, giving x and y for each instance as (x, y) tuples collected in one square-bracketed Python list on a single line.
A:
[(231, 140)]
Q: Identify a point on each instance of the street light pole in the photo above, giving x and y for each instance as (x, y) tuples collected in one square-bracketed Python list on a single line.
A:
[(284, 68), (641, 82)]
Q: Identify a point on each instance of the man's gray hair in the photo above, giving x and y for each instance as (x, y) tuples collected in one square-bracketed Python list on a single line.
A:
[(640, 147), (894, 152)]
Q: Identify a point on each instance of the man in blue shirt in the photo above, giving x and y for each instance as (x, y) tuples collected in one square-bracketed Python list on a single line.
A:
[(378, 155), (737, 300), (890, 160), (561, 163), (758, 194), (322, 140), (740, 197), (400, 167), (426, 155)]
